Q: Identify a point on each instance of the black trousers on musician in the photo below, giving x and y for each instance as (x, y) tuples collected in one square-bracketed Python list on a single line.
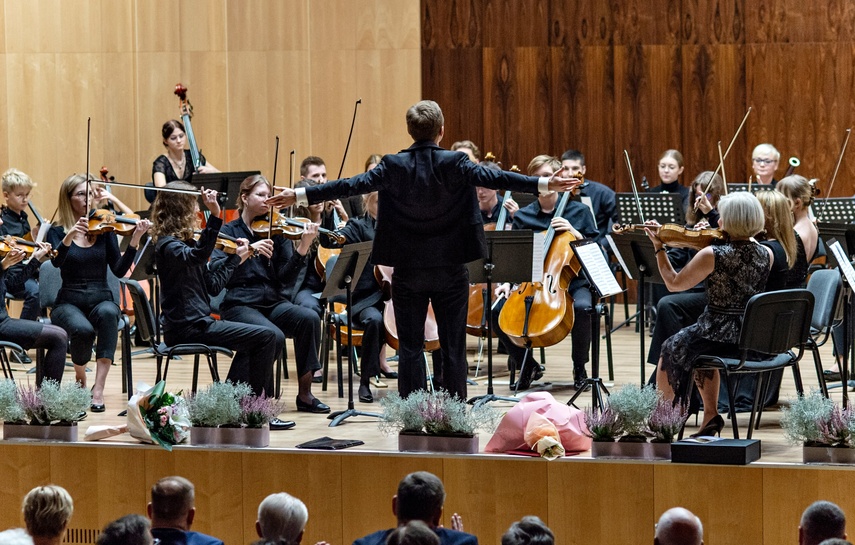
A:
[(448, 289), (29, 334), (255, 348), (370, 321)]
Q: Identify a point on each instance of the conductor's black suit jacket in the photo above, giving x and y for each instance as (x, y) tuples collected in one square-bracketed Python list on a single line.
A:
[(427, 209)]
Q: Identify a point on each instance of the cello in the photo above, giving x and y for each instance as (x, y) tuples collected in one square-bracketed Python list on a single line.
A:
[(383, 274), (541, 313)]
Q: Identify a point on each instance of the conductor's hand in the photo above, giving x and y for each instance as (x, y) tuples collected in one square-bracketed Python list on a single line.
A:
[(244, 250), (561, 184), (209, 199), (263, 247), (284, 199)]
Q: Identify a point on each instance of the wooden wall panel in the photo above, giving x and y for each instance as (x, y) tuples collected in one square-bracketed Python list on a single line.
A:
[(576, 23), (516, 23)]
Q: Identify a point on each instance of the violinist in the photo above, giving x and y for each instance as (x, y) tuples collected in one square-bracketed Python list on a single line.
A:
[(732, 273), (428, 228), (801, 195), (30, 333), (176, 163), (85, 307), (308, 282), (257, 289), (368, 303), (764, 162), (187, 283), (670, 169), (538, 216), (603, 201), (490, 202), (313, 171), (16, 187), (706, 190)]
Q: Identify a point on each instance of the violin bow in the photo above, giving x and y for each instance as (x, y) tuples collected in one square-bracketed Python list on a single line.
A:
[(349, 136), (88, 136), (723, 175), (275, 164), (634, 189), (292, 163), (727, 151), (836, 170)]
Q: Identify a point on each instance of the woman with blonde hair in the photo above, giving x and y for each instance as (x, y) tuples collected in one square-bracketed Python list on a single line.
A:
[(779, 237), (47, 512), (801, 193)]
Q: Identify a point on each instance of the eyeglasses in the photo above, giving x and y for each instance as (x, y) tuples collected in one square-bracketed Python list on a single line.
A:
[(762, 161), (663, 166)]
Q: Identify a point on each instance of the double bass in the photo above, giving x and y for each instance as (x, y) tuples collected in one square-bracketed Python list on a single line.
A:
[(541, 313)]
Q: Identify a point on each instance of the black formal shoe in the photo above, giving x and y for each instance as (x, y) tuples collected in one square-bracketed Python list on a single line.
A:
[(390, 374), (318, 379), (314, 407), (524, 381), (712, 428), (81, 416), (277, 424), (22, 358), (832, 376), (365, 394), (579, 378), (97, 408)]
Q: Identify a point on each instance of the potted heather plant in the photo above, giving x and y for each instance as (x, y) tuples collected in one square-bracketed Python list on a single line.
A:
[(50, 412), (638, 423), (824, 430), (435, 422), (230, 414)]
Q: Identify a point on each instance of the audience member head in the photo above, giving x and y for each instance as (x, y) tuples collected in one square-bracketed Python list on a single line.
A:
[(820, 521), (741, 214), (836, 541), (414, 532), (469, 148), (420, 497), (47, 511), (281, 518), (128, 530), (678, 526), (15, 536), (172, 503), (528, 531), (425, 121)]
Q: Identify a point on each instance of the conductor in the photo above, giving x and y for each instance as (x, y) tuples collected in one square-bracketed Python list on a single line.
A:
[(428, 227)]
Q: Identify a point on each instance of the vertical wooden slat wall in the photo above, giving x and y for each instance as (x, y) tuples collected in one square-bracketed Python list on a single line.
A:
[(253, 70), (523, 77)]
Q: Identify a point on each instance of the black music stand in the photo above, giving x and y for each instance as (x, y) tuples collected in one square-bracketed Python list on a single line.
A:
[(839, 210), (639, 255), (848, 276), (226, 183), (842, 233), (145, 268), (602, 283), (347, 269), (734, 188), (662, 207), (509, 259)]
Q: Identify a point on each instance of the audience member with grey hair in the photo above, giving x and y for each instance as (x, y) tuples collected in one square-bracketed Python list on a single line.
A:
[(528, 530), (47, 512), (281, 518), (420, 497), (172, 510), (836, 541), (822, 520), (128, 530), (679, 526)]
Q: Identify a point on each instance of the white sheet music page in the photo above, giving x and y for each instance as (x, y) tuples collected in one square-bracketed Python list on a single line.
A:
[(598, 269), (843, 262), (537, 257), (619, 257)]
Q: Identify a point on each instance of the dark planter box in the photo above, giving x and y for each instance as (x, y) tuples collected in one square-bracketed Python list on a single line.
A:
[(738, 452)]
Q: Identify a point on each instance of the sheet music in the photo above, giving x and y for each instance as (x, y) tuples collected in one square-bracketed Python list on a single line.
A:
[(619, 257), (843, 262), (599, 272), (590, 204), (537, 257), (43, 230)]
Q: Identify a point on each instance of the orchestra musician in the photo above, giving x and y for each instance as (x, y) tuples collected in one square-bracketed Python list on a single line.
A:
[(670, 169), (538, 216), (602, 198), (16, 187), (469, 148), (257, 289), (313, 170), (764, 162), (85, 307), (187, 283), (490, 202), (308, 283), (801, 194), (428, 228), (732, 272), (176, 163)]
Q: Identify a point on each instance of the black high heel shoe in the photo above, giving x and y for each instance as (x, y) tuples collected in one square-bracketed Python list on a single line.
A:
[(712, 428), (389, 374)]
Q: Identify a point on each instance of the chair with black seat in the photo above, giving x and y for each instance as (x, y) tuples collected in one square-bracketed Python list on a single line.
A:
[(773, 325), (145, 324), (5, 364), (826, 287)]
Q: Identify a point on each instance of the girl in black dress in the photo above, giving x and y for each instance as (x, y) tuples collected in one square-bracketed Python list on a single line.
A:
[(176, 163)]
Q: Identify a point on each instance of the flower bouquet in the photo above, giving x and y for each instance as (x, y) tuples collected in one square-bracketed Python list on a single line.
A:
[(157, 416)]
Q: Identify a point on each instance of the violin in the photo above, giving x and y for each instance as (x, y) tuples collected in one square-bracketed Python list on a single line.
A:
[(225, 243), (292, 228), (677, 236), (9, 243), (103, 221)]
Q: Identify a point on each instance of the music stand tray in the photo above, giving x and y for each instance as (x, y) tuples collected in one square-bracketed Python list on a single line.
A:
[(227, 183), (662, 207), (838, 210), (509, 259), (340, 280)]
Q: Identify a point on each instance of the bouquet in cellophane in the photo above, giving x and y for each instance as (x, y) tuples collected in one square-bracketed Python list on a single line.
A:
[(157, 416)]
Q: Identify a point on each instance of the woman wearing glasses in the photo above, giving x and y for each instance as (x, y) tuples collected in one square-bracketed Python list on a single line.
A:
[(764, 161), (670, 169), (85, 307)]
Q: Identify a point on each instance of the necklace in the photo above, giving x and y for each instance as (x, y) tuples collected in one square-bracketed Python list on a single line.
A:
[(177, 165)]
